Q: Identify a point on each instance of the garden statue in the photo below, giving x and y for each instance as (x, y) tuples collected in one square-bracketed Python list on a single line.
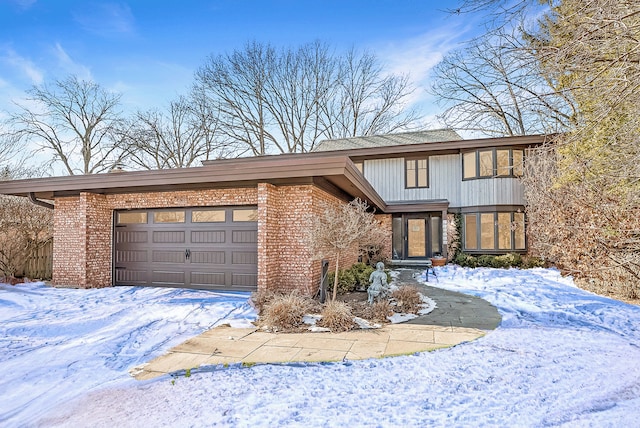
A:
[(378, 281)]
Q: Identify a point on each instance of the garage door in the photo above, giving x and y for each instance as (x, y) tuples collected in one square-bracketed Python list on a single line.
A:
[(205, 248)]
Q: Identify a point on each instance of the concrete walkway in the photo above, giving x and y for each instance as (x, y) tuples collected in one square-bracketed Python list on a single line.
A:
[(458, 318)]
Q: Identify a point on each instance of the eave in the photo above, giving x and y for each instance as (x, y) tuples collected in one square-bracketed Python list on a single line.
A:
[(338, 170)]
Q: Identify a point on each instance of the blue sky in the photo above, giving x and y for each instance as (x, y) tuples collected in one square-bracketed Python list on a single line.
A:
[(148, 50)]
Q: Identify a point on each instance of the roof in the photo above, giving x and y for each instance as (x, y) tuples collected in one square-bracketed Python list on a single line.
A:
[(336, 173), (332, 170), (420, 137)]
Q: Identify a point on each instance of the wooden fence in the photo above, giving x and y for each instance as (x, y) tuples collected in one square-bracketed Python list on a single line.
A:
[(40, 264)]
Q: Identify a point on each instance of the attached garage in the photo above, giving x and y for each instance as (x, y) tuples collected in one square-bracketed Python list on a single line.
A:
[(200, 247), (236, 224)]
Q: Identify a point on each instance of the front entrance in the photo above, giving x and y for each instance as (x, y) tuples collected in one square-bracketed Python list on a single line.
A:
[(417, 236)]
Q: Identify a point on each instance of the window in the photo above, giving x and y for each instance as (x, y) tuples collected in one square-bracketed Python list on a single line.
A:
[(250, 214), (487, 232), (504, 231), (416, 173), (168, 217), (503, 164), (488, 163), (471, 232), (494, 232), (132, 217), (208, 216), (469, 165)]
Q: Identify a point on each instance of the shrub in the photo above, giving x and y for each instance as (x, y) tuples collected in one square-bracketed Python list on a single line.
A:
[(355, 277), (337, 316), (503, 261), (408, 299), (466, 260), (379, 311), (262, 298), (529, 262), (285, 311)]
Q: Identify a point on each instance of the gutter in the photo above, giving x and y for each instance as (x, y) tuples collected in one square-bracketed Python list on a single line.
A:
[(36, 201)]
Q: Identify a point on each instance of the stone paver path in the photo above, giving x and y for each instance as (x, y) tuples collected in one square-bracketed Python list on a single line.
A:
[(226, 345), (457, 318)]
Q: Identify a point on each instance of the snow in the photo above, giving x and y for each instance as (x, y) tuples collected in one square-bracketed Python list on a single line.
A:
[(561, 357)]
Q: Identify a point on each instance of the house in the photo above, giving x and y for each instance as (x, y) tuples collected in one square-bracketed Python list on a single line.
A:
[(240, 224)]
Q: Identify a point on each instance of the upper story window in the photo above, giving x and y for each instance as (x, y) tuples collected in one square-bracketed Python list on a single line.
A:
[(487, 163), (416, 173)]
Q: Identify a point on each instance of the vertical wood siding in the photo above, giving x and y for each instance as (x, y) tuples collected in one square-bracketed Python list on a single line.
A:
[(445, 182)]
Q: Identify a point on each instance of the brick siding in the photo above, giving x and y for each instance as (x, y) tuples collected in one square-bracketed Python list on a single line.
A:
[(83, 232)]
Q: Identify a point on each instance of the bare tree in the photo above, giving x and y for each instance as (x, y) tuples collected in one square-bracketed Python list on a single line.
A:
[(583, 192), (73, 121), (180, 138), (342, 228), (368, 101), (9, 149), (495, 86), (285, 101)]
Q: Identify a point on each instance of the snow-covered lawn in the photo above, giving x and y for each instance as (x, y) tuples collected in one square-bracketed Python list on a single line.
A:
[(561, 356)]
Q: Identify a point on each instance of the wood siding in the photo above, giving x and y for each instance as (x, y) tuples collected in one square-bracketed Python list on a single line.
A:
[(445, 182)]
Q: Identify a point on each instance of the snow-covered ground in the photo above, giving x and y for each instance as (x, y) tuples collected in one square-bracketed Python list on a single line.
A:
[(561, 357)]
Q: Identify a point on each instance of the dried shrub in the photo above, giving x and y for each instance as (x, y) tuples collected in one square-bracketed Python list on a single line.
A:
[(262, 298), (379, 311), (25, 229), (285, 311), (588, 228), (408, 299), (337, 316)]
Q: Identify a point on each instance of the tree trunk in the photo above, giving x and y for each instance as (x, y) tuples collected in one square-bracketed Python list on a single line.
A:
[(335, 278)]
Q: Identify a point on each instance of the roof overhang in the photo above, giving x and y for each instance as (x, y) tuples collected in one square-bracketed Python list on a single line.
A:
[(335, 172), (435, 147), (445, 147), (417, 206)]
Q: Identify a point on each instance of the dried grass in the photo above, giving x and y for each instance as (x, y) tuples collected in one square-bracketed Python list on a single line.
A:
[(337, 316), (262, 298), (285, 311), (408, 299), (379, 311)]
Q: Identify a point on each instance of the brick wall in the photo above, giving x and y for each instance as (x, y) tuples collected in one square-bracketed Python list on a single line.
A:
[(98, 240), (69, 230), (284, 216), (83, 233)]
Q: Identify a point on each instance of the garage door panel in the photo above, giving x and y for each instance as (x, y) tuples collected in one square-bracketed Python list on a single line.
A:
[(244, 280), (208, 236), (131, 237), (167, 277), (132, 277), (244, 237), (208, 257), (168, 257), (209, 248), (168, 236), (244, 258), (131, 256), (211, 279)]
